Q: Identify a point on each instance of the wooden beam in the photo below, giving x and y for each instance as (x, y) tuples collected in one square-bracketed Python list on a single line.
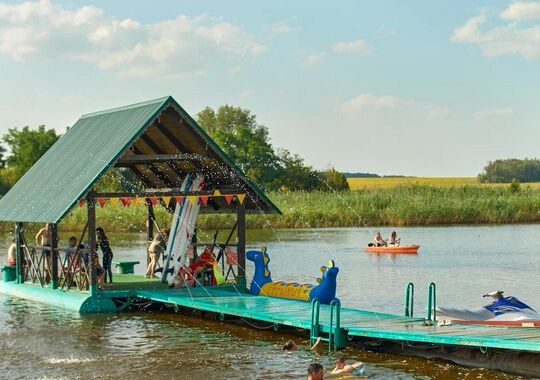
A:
[(152, 145), (241, 249), (173, 192), (53, 239), (91, 208), (159, 175), (144, 159), (175, 141)]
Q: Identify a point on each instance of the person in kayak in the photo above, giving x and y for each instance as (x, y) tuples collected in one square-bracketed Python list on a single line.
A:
[(394, 240), (378, 241)]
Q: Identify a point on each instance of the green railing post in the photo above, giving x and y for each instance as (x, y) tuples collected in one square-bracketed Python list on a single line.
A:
[(18, 253), (314, 330), (409, 300), (431, 302), (338, 335)]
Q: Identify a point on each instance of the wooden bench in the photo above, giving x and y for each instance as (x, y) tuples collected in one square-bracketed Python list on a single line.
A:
[(125, 267)]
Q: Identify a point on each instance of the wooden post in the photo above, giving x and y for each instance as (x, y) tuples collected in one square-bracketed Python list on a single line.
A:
[(19, 260), (149, 228), (91, 206), (53, 239), (241, 220)]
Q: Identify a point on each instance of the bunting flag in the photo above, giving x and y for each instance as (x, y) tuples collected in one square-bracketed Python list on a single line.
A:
[(193, 199)]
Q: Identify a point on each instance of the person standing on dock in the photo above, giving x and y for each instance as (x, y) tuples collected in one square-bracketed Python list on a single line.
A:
[(156, 249), (103, 243), (11, 253), (43, 240)]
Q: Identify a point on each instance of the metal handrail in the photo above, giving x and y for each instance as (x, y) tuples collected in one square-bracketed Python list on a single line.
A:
[(431, 302), (409, 300)]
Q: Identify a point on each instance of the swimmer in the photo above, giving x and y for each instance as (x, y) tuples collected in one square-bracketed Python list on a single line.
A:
[(290, 346), (315, 372), (357, 368)]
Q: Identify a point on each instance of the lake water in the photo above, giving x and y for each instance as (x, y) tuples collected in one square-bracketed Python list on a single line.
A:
[(37, 341)]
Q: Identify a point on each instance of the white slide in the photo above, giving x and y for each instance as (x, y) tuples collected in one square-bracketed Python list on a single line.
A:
[(182, 229)]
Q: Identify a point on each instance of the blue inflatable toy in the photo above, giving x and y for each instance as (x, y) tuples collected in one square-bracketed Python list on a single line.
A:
[(263, 285)]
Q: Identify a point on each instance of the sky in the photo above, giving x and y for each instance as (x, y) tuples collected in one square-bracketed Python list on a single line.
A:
[(419, 88)]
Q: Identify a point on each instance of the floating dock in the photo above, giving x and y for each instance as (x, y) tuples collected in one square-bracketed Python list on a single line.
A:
[(342, 325)]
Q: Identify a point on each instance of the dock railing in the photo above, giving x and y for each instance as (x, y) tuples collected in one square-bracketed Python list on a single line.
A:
[(336, 335), (409, 300)]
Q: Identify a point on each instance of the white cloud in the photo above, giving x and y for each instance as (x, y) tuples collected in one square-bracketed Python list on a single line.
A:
[(368, 106), (493, 113), (357, 47), (509, 39), (522, 11), (174, 47), (315, 58), (282, 27)]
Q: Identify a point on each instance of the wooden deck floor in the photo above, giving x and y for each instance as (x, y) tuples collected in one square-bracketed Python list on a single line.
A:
[(361, 323)]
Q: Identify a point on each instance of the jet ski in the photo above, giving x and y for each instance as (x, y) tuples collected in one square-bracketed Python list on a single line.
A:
[(503, 311)]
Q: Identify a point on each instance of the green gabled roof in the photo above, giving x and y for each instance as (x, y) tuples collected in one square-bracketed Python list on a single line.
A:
[(69, 169)]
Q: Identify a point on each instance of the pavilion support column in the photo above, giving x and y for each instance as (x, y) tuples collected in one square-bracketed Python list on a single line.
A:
[(91, 206), (19, 259), (241, 220), (150, 217), (53, 238)]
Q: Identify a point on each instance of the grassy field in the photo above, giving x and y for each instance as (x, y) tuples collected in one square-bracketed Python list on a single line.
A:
[(381, 201), (384, 183)]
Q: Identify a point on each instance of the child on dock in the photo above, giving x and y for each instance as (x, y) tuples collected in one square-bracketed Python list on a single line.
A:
[(357, 368), (103, 243), (156, 249)]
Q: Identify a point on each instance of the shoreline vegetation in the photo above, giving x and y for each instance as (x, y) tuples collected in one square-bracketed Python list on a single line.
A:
[(402, 205)]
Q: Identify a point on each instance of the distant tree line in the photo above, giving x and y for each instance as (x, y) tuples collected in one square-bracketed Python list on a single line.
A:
[(522, 170), (234, 129)]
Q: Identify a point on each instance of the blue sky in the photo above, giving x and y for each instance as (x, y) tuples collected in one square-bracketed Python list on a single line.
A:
[(416, 88)]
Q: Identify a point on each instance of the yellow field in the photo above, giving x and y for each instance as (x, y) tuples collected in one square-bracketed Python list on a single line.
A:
[(385, 183)]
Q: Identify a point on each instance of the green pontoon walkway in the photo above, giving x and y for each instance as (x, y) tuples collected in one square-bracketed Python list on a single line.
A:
[(357, 323)]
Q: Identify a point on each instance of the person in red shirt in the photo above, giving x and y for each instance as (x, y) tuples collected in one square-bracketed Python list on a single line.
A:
[(189, 274)]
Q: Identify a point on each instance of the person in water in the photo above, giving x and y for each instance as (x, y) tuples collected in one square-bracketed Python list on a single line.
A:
[(394, 240), (315, 371), (103, 243), (290, 345), (357, 368), (192, 271), (156, 249), (378, 241)]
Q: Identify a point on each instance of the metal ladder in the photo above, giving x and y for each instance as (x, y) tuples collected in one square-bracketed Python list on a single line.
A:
[(336, 335), (431, 313)]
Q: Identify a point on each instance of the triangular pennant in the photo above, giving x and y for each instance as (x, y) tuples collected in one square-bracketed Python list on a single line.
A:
[(217, 193), (203, 199), (81, 203), (134, 201), (228, 198), (101, 202), (113, 201), (192, 199), (125, 202), (179, 200), (240, 197), (153, 200), (167, 200)]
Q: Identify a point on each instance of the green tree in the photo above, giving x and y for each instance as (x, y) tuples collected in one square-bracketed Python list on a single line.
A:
[(2, 160), (26, 146), (295, 174), (526, 170), (334, 180), (245, 141)]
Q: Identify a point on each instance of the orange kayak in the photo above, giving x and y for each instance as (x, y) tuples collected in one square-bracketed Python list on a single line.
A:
[(393, 249)]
